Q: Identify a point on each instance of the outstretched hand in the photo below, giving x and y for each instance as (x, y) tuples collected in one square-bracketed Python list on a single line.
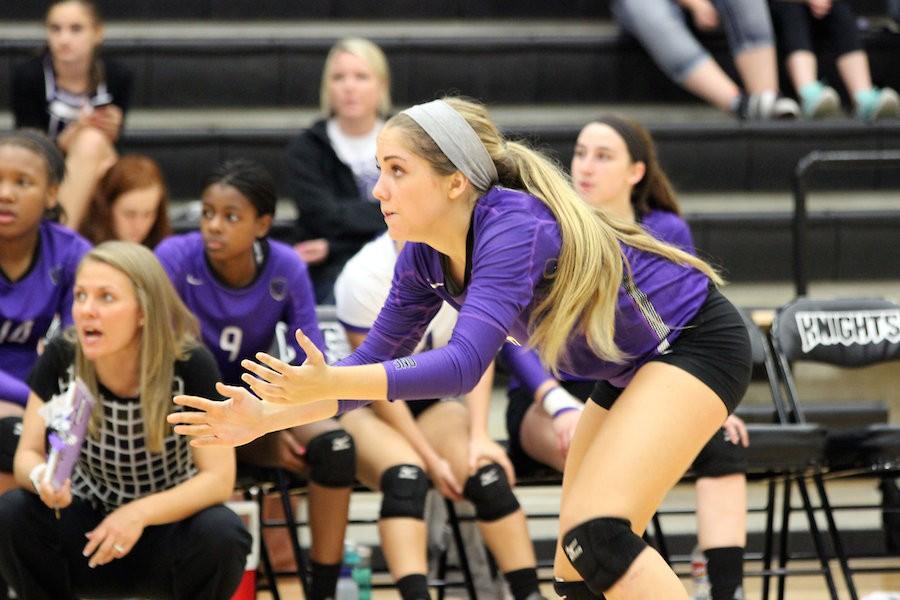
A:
[(232, 422), (276, 381)]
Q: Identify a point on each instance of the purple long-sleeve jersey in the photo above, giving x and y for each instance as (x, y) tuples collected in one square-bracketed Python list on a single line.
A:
[(239, 322), (515, 243), (525, 366), (28, 305)]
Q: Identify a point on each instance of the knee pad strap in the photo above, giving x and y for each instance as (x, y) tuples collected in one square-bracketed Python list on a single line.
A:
[(489, 490), (331, 457), (602, 550), (404, 488)]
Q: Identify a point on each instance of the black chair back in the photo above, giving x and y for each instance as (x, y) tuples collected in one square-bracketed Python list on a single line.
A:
[(845, 332)]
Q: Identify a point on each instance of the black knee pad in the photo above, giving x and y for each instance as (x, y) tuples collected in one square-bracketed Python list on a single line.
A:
[(331, 457), (575, 590), (404, 488), (601, 550), (10, 430), (489, 490)]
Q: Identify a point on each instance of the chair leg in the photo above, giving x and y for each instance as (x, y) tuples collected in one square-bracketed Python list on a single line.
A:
[(442, 572), (271, 579), (835, 536), (783, 536), (768, 539), (291, 523), (817, 538), (453, 519)]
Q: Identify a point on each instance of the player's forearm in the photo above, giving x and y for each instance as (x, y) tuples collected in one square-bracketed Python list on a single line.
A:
[(282, 416)]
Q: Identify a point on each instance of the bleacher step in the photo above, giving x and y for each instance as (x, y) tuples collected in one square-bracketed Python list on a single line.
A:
[(201, 63)]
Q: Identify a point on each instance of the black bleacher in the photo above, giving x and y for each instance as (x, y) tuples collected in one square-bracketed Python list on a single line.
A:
[(320, 9), (505, 52)]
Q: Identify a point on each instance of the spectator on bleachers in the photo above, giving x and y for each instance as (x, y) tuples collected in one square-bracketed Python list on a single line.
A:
[(401, 445), (802, 28), (662, 29), (250, 294), (331, 166), (75, 95), (131, 204), (38, 258), (615, 169), (142, 513)]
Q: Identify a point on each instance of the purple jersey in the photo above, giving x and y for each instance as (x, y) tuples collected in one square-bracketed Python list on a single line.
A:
[(524, 364), (670, 228), (239, 322), (28, 306), (515, 243)]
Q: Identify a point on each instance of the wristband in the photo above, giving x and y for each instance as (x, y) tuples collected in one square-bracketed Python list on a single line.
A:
[(563, 411), (557, 400), (37, 476)]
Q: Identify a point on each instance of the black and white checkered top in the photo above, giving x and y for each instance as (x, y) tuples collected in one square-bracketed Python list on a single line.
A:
[(116, 467)]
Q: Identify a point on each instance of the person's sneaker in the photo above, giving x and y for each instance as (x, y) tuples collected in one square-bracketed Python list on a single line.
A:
[(819, 101), (877, 103), (766, 106)]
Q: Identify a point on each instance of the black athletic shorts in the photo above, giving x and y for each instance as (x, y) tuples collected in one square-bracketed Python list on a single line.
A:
[(714, 347)]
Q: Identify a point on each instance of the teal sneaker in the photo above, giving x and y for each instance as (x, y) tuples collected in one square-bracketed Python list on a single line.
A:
[(819, 101), (877, 103)]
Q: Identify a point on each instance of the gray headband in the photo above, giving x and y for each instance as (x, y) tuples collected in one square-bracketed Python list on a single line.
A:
[(457, 140)]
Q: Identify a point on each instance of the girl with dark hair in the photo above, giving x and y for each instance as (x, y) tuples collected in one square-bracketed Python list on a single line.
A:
[(496, 230), (76, 96), (131, 204), (142, 514), (248, 291), (37, 267), (615, 169)]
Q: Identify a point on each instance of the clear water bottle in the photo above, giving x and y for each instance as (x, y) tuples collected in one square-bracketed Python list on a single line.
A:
[(347, 588), (699, 575), (362, 573)]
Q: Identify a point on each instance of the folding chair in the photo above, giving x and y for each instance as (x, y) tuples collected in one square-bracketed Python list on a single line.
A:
[(846, 333), (780, 452)]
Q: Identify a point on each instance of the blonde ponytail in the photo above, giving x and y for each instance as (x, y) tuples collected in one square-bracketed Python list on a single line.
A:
[(590, 267)]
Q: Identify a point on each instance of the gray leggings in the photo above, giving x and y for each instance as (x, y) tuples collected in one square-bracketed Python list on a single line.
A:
[(661, 27)]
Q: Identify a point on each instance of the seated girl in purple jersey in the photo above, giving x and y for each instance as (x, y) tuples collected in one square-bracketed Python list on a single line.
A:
[(399, 446), (37, 266), (142, 513), (131, 204), (248, 291), (614, 168), (496, 230), (76, 96)]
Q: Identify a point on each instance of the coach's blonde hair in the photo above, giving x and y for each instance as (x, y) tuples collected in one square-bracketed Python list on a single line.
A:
[(591, 265), (169, 331), (373, 56)]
